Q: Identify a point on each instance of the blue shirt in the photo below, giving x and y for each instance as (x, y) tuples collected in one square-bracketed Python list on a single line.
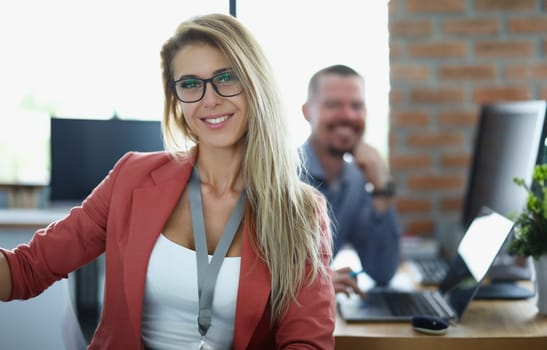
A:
[(374, 236)]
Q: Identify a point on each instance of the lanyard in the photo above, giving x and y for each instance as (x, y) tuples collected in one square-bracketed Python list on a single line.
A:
[(208, 272)]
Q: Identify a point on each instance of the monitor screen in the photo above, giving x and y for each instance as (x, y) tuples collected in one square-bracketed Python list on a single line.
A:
[(82, 151), (509, 142)]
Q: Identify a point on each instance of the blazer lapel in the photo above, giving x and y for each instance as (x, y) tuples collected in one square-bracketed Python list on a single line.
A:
[(150, 210), (253, 294)]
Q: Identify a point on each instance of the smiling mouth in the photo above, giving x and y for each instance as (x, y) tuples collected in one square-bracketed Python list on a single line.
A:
[(216, 120), (344, 131)]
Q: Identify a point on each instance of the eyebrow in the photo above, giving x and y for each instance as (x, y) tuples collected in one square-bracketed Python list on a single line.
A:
[(218, 71)]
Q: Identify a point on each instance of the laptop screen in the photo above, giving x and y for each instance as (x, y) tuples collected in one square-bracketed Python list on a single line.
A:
[(477, 250)]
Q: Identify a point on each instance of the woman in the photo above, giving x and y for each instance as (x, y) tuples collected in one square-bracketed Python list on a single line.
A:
[(158, 215)]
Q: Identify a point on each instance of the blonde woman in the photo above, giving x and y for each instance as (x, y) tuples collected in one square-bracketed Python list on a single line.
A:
[(219, 246)]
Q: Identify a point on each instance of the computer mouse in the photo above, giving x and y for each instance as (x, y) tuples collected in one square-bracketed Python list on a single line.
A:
[(429, 324)]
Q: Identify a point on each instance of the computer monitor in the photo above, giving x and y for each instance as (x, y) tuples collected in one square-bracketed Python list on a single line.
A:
[(82, 151), (509, 142)]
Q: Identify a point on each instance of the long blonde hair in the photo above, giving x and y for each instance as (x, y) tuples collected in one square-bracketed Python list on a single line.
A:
[(288, 219)]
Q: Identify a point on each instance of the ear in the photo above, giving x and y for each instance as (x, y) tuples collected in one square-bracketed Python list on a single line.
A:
[(306, 111)]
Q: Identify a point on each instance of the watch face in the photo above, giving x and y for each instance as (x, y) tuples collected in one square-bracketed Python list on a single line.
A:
[(387, 191)]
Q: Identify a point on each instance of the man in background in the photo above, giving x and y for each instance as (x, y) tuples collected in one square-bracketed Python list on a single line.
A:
[(351, 174)]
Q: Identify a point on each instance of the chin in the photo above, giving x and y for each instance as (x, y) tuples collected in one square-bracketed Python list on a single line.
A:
[(339, 151)]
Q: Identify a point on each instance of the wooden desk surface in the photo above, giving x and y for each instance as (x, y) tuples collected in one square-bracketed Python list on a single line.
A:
[(485, 325), (30, 218)]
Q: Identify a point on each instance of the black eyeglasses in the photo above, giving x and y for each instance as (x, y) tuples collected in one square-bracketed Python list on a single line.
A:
[(192, 89)]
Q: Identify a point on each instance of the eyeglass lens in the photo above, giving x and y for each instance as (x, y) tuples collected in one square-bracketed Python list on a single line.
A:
[(226, 84)]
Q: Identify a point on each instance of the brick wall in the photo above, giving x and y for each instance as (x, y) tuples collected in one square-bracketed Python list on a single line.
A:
[(447, 58)]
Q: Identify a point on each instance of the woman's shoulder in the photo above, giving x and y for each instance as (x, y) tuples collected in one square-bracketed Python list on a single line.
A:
[(134, 163), (152, 159)]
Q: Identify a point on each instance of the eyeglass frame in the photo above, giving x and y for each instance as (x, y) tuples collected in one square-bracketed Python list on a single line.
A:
[(204, 82)]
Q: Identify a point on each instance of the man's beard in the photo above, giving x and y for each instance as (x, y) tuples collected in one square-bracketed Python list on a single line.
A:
[(339, 152)]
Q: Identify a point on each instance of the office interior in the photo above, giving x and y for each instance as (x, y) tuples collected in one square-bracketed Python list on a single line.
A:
[(445, 62)]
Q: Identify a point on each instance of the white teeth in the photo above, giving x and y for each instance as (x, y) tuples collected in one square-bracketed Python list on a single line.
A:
[(216, 120)]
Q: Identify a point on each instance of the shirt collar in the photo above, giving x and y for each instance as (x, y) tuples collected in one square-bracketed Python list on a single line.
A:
[(314, 168)]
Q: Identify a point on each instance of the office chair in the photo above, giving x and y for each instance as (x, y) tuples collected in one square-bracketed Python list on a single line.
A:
[(47, 321)]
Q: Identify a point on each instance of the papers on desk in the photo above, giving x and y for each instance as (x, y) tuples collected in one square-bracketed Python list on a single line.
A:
[(348, 257)]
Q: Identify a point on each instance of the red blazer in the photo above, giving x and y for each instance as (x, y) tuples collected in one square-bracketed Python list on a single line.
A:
[(123, 217)]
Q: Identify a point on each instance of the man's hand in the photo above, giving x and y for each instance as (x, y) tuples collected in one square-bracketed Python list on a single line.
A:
[(344, 283), (368, 159)]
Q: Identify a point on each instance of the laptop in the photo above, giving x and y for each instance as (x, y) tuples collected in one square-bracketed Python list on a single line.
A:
[(476, 252)]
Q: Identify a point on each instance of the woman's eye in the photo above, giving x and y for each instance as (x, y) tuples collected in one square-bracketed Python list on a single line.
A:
[(226, 77), (190, 84)]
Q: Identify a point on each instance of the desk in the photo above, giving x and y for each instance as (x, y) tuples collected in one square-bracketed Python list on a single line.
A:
[(485, 325), (31, 219), (18, 226)]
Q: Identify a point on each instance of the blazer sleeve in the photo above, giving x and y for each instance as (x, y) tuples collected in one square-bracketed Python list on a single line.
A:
[(310, 320), (64, 245)]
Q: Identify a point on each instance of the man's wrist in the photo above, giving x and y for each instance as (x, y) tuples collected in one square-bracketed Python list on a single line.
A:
[(388, 190)]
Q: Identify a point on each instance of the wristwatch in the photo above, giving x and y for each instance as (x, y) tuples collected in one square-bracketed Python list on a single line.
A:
[(387, 191)]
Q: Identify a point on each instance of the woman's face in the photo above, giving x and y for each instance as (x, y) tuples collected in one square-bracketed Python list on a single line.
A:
[(215, 120)]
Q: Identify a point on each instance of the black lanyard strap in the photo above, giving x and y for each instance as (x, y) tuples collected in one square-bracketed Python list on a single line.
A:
[(208, 272)]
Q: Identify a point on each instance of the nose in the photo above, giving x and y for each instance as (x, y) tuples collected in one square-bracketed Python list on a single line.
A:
[(348, 112), (210, 97)]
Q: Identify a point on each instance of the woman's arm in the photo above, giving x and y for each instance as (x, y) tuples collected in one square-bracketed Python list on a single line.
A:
[(5, 278)]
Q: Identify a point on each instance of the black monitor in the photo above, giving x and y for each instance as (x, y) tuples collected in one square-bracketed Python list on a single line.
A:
[(509, 142), (82, 151)]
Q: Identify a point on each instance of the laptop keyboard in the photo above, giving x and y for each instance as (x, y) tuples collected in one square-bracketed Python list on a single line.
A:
[(431, 269), (402, 304)]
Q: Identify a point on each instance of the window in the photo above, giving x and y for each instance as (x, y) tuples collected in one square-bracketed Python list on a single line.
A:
[(79, 59), (301, 37), (99, 58)]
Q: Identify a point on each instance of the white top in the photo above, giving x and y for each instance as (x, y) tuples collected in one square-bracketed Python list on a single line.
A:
[(170, 306)]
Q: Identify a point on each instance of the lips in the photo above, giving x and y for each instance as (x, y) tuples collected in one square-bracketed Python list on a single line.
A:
[(217, 119), (344, 131)]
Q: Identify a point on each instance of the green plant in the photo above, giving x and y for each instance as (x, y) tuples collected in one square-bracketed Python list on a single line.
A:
[(531, 224)]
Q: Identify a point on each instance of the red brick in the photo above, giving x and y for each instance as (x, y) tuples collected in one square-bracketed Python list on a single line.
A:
[(407, 28), (413, 205), (455, 160), (453, 118), (410, 118), (435, 182), (438, 95), (452, 204), (396, 96), (539, 70), (471, 26), (393, 6), (528, 25), (395, 49), (419, 227), (526, 71), (516, 71), (504, 48), (404, 161), (469, 72), (440, 49), (435, 139), (393, 140), (409, 72), (505, 5), (421, 6), (493, 94)]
